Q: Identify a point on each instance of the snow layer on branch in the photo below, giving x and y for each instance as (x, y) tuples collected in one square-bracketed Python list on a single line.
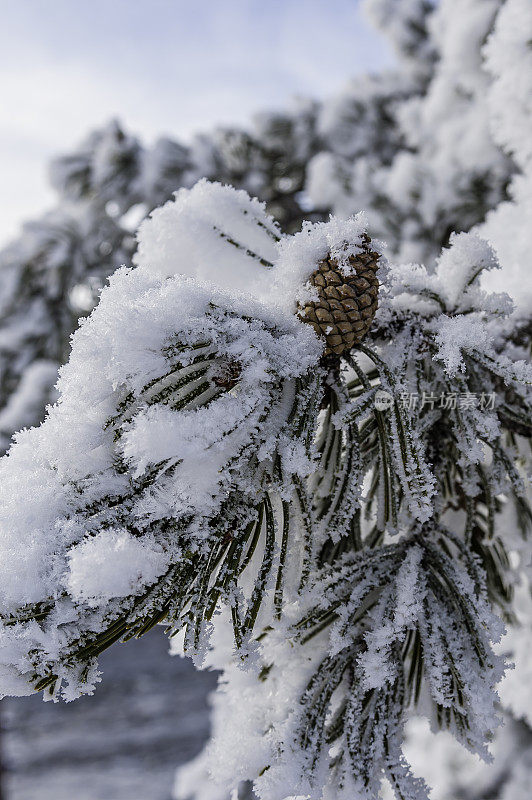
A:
[(467, 312), (458, 334), (387, 629), (259, 726), (177, 401), (216, 234), (455, 283), (211, 232), (82, 525), (94, 575), (461, 263), (119, 349)]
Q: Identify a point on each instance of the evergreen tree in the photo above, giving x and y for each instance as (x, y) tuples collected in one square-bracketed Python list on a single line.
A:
[(446, 172)]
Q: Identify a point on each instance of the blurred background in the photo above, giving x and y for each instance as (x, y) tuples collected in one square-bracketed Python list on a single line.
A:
[(165, 70), (162, 67)]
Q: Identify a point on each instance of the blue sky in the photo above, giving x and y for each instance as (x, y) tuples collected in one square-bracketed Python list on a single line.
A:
[(161, 66)]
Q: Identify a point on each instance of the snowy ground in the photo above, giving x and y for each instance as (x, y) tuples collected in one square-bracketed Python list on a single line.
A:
[(147, 716)]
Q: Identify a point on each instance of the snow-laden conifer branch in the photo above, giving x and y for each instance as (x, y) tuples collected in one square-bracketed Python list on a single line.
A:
[(207, 465), (395, 626)]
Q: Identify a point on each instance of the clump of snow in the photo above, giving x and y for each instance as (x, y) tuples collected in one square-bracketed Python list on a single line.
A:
[(456, 334), (210, 232), (111, 564), (454, 285), (461, 264)]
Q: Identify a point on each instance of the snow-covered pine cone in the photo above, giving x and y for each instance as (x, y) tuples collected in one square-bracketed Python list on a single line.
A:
[(346, 303)]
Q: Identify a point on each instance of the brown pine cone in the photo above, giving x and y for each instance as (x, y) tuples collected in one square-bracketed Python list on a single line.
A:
[(344, 311)]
